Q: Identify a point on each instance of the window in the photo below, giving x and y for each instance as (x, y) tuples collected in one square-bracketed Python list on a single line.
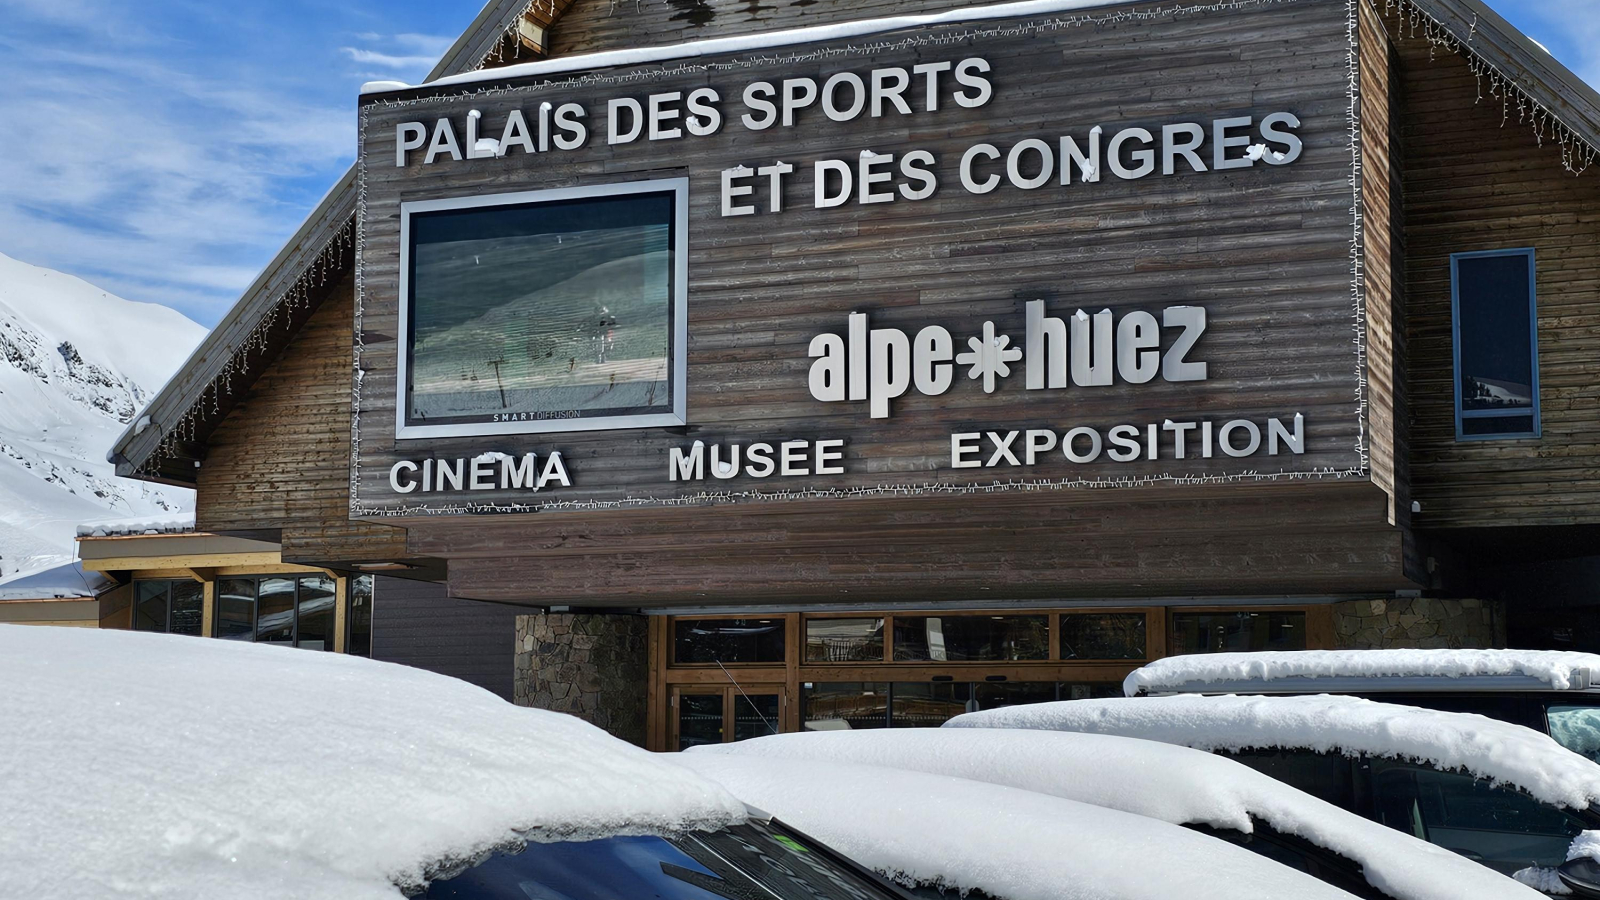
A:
[(1502, 828), (728, 641), (971, 638), (1102, 636), (171, 607), (293, 610), (844, 640), (1492, 304), (544, 311), (1221, 632), (358, 640), (1576, 728), (845, 706)]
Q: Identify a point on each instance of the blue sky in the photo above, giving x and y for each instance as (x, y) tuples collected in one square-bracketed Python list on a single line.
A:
[(164, 150)]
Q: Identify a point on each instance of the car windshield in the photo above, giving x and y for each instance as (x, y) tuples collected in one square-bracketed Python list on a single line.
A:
[(752, 861)]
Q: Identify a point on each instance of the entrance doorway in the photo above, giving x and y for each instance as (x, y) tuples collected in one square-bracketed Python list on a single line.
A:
[(718, 714)]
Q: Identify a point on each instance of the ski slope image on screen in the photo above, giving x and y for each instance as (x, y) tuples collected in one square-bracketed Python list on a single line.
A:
[(552, 310)]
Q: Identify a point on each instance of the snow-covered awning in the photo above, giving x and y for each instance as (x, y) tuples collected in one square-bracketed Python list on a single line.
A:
[(194, 768), (176, 523), (1318, 670), (1488, 748), (67, 581)]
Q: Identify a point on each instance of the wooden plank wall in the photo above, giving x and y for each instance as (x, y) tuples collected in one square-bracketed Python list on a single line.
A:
[(1385, 337), (590, 26), (1476, 181), (281, 457), (1265, 250)]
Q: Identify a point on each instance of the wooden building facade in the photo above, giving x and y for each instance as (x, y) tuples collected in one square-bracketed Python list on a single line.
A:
[(934, 357)]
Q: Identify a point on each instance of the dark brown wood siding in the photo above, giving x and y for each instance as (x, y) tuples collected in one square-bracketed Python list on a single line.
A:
[(415, 624), (1477, 179), (281, 458)]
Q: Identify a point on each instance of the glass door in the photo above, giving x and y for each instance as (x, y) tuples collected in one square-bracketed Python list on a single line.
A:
[(715, 715)]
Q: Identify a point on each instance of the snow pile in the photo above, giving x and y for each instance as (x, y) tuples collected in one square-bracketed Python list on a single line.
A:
[(176, 523), (1161, 781), (1561, 670), (141, 766), (1542, 879), (1497, 751), (64, 581), (1012, 844), (76, 365)]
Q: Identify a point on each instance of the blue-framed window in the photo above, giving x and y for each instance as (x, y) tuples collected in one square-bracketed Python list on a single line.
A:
[(1494, 326)]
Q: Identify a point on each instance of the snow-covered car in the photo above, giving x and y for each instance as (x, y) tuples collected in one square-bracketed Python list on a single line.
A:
[(137, 765), (1174, 784), (950, 837), (1556, 692), (1500, 794)]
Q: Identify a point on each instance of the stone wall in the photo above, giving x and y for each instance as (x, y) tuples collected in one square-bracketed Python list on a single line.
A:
[(594, 667), (1425, 622)]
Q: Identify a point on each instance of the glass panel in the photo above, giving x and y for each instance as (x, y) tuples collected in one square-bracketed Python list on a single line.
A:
[(236, 609), (317, 597), (275, 621), (728, 641), (995, 694), (359, 641), (150, 605), (1502, 828), (1576, 728), (841, 706), (1102, 636), (917, 705), (960, 638), (755, 716), (1497, 425), (1232, 631), (188, 607), (547, 310), (1089, 690), (699, 719), (844, 640), (1496, 353)]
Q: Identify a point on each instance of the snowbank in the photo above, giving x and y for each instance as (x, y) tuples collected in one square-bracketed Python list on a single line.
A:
[(175, 523), (141, 766), (1498, 751), (1013, 844), (61, 582), (1173, 784), (1560, 670)]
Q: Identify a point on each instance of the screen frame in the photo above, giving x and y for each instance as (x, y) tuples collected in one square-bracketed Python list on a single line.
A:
[(677, 301)]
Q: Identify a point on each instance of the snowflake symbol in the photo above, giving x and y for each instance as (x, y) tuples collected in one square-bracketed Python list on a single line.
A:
[(989, 356)]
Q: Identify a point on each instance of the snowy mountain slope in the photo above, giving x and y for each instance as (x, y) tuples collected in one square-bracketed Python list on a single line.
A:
[(76, 365)]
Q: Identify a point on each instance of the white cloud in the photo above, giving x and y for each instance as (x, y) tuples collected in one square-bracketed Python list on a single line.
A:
[(373, 57)]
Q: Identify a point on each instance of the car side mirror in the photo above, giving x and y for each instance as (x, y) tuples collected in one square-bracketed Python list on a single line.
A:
[(1582, 877)]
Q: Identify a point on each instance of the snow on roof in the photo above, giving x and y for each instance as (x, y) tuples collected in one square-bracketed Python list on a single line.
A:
[(67, 581), (137, 765), (1561, 670), (1498, 751), (765, 40), (1173, 784), (174, 523), (1013, 844)]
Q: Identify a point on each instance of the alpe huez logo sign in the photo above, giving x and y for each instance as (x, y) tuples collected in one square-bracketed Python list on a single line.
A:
[(877, 366)]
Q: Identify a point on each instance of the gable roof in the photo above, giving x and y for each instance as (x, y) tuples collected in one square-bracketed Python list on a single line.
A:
[(166, 441)]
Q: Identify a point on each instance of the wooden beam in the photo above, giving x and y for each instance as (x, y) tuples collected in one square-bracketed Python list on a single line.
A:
[(187, 563)]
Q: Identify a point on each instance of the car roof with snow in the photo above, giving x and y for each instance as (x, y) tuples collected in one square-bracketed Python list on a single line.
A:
[(1367, 671), (1174, 784), (142, 765), (922, 829), (1497, 751)]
